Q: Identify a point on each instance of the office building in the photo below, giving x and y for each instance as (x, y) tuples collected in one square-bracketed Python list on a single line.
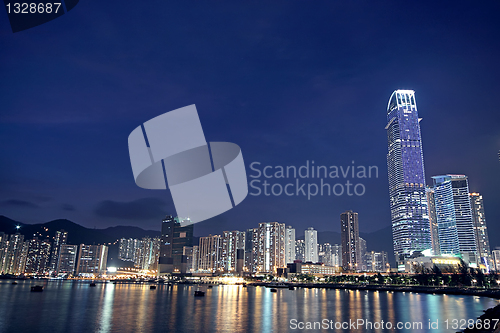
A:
[(173, 239), (445, 216), (92, 260), (409, 215), (66, 263), (480, 229), (311, 245), (289, 244), (60, 238), (351, 256)]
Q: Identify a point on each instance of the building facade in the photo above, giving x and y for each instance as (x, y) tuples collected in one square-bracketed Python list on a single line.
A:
[(92, 260), (480, 229), (311, 245), (349, 233), (173, 239), (289, 244), (66, 264), (408, 202)]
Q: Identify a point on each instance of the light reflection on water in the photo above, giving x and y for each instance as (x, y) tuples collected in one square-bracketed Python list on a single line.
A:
[(66, 306)]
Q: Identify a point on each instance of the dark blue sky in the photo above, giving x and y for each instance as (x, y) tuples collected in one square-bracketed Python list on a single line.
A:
[(288, 81)]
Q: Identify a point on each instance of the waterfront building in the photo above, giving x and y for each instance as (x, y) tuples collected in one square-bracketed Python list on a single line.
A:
[(210, 248), (92, 260), (271, 247), (128, 249), (66, 263), (174, 237), (37, 259), (495, 256), (289, 244), (433, 224), (480, 229), (310, 268), (362, 266), (147, 255), (377, 261), (231, 241), (311, 245), (349, 233), (251, 249), (408, 202), (445, 216), (60, 238), (16, 251), (336, 255)]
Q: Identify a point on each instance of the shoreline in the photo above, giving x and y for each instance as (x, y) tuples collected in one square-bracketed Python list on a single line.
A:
[(492, 293)]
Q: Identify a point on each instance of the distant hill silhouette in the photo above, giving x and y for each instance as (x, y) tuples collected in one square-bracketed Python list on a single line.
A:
[(76, 233)]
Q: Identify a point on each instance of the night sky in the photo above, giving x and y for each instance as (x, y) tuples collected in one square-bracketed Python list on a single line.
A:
[(288, 81)]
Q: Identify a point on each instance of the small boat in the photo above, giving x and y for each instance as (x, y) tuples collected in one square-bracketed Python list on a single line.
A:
[(152, 287), (199, 293), (210, 286), (37, 288), (14, 282), (92, 284), (274, 290)]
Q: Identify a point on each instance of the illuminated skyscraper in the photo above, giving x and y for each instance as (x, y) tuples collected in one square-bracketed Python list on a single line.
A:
[(231, 241), (349, 233), (311, 242), (92, 260), (67, 259), (433, 220), (60, 238), (409, 215), (271, 247), (289, 244), (445, 216), (210, 249), (37, 260), (173, 239), (482, 241)]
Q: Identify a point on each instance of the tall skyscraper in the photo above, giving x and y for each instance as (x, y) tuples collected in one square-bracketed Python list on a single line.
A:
[(336, 255), (480, 229), (463, 214), (15, 255), (146, 254), (311, 243), (409, 215), (128, 249), (454, 216), (433, 225), (60, 238), (362, 266), (271, 247), (173, 239), (251, 250), (349, 233), (495, 255), (289, 244)]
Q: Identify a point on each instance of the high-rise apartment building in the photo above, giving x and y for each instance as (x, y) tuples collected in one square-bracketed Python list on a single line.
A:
[(362, 266), (60, 238), (210, 253), (336, 255), (67, 259), (480, 229), (147, 254), (173, 239), (16, 251), (251, 249), (37, 260), (289, 244), (495, 255), (92, 260), (311, 244), (231, 241), (128, 249), (409, 215), (270, 247), (377, 261), (349, 233)]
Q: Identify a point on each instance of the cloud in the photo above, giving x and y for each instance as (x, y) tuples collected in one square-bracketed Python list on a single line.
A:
[(18, 203), (141, 209), (68, 207)]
